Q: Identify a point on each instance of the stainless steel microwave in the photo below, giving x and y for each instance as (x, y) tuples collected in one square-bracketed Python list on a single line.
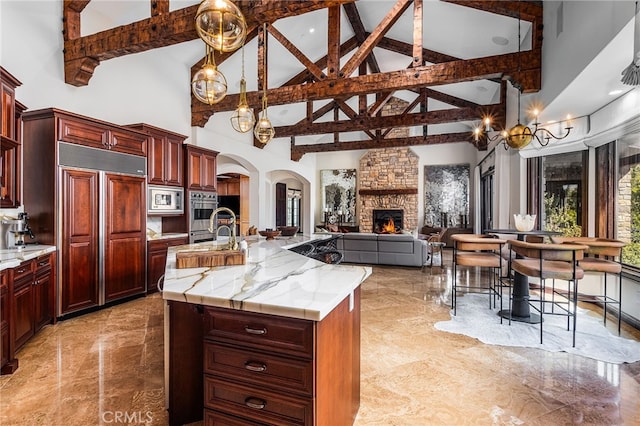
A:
[(165, 200)]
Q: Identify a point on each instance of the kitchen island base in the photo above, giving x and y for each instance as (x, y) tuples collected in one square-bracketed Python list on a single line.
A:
[(230, 366)]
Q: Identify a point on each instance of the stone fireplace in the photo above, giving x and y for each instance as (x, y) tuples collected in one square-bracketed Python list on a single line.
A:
[(387, 221), (388, 180)]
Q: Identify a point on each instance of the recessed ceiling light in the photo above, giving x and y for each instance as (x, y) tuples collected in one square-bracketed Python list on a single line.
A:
[(499, 40), (312, 30), (615, 92)]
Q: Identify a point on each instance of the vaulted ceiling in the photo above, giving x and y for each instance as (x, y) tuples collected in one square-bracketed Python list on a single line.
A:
[(333, 65)]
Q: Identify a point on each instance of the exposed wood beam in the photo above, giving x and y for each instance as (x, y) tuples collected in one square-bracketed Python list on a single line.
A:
[(333, 42), (159, 31), (417, 33), (304, 75), (301, 57), (349, 112), (159, 7), (429, 75), (353, 15), (365, 49), (297, 151), (407, 49), (76, 5), (356, 123)]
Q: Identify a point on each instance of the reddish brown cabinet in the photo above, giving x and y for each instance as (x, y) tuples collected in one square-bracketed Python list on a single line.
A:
[(256, 369), (157, 259), (89, 202), (164, 155), (201, 168), (31, 292), (10, 141), (6, 354)]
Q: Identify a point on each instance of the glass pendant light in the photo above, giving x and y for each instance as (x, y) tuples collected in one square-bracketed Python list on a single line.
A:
[(264, 131), (221, 25), (208, 84), (242, 119)]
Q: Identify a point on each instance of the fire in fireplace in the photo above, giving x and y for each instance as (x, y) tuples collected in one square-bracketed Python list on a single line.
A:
[(387, 221)]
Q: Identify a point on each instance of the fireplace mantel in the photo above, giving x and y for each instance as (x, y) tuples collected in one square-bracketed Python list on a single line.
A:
[(382, 192)]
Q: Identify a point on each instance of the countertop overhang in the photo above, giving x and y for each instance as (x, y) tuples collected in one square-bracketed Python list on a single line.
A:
[(274, 280), (12, 257)]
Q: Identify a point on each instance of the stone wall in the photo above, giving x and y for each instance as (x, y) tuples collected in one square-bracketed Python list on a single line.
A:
[(387, 170)]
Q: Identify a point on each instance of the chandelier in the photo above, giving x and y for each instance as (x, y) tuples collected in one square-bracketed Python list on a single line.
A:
[(242, 119), (264, 131), (520, 135), (208, 84), (221, 25)]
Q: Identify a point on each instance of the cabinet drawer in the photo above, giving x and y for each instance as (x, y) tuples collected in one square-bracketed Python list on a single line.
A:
[(129, 143), (257, 404), (43, 264), (267, 332), (160, 245), (257, 368), (79, 132), (24, 270), (214, 418)]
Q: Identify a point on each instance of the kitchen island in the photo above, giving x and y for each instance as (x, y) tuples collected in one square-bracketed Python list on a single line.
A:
[(273, 341)]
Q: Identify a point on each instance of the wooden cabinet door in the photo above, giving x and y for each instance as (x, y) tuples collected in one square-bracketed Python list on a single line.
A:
[(209, 177), (173, 161), (157, 259), (194, 170), (22, 319), (245, 221), (125, 240), (9, 173), (156, 159), (7, 96), (128, 142), (79, 254), (43, 292), (4, 319)]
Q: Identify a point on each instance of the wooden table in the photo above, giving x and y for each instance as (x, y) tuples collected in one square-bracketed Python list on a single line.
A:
[(520, 309)]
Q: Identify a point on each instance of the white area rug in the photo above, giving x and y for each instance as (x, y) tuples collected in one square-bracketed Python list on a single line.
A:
[(593, 340)]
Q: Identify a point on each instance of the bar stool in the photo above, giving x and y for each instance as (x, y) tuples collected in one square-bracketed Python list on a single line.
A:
[(551, 261), (476, 250), (603, 256)]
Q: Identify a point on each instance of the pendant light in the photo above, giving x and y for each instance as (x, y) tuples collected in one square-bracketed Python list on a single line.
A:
[(264, 131), (208, 84), (520, 135), (221, 25), (242, 119)]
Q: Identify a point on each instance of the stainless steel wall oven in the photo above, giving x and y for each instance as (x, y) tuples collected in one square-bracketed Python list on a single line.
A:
[(201, 205)]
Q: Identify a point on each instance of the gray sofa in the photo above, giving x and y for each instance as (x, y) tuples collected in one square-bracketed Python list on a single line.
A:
[(382, 249)]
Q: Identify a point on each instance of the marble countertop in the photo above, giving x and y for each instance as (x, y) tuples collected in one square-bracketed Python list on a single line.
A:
[(10, 258), (274, 280), (159, 236)]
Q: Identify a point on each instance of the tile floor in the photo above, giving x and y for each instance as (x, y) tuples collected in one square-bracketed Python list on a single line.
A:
[(107, 368)]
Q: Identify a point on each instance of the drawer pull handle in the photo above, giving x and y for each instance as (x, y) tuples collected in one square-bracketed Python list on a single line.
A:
[(255, 366), (256, 403), (43, 263), (255, 330)]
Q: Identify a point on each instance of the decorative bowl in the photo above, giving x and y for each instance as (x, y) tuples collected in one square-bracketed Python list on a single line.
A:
[(525, 222), (288, 231), (270, 234)]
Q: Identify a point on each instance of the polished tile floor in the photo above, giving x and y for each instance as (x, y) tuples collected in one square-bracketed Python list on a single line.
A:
[(107, 368)]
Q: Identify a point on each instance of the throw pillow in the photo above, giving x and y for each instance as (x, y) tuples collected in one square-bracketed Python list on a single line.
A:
[(332, 228), (321, 230), (344, 230)]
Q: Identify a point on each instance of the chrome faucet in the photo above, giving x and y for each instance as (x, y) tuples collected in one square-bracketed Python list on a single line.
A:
[(233, 244)]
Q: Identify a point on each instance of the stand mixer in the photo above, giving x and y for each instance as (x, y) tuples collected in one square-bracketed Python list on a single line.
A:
[(13, 231)]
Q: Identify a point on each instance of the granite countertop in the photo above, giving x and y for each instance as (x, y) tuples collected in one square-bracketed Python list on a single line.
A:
[(274, 280), (10, 258)]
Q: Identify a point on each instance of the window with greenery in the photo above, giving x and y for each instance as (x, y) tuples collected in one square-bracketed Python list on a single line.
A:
[(563, 185), (628, 199)]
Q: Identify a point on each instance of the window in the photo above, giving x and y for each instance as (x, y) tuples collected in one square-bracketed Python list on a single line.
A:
[(563, 185), (628, 197), (293, 207)]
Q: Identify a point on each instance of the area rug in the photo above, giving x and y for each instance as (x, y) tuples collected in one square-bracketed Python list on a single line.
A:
[(593, 340)]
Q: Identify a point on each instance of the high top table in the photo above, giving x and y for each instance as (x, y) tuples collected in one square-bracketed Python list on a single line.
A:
[(520, 310)]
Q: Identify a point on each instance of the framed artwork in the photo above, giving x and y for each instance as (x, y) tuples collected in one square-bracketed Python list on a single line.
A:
[(338, 195), (446, 198)]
